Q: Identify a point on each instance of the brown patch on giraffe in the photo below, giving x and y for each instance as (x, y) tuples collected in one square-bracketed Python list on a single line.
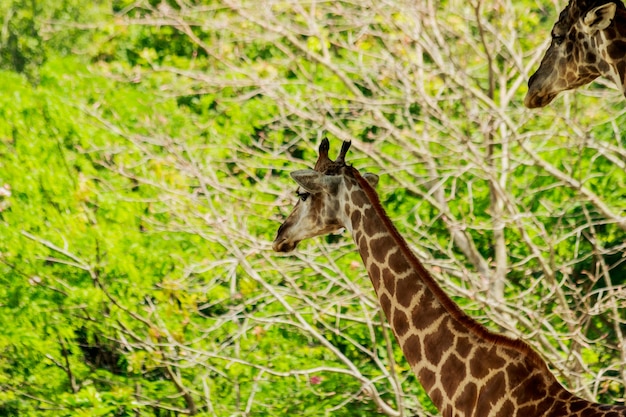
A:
[(577, 405), (400, 322), (518, 372), (436, 397), (374, 273), (558, 408), (458, 326), (491, 390), (570, 76), (412, 349), (355, 218), (590, 56), (369, 227), (429, 310), (361, 241), (389, 281), (611, 32), (546, 404), (427, 378), (621, 29), (497, 385), (557, 391), (616, 49), (466, 402), (532, 388), (437, 343), (385, 303), (463, 346), (453, 366), (480, 367), (398, 263), (380, 248), (406, 288), (358, 197)]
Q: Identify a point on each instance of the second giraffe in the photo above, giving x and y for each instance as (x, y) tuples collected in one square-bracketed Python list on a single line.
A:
[(588, 41)]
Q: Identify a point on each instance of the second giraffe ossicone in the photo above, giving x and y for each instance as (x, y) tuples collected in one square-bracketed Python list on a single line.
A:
[(588, 41), (465, 369)]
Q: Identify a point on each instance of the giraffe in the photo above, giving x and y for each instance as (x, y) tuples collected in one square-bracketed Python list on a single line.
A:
[(465, 369), (588, 40)]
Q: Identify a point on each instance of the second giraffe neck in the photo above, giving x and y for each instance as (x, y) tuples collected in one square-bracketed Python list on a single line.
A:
[(456, 359)]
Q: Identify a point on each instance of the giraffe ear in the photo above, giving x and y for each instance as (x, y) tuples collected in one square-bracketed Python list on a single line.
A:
[(372, 179), (314, 181), (308, 179), (599, 18)]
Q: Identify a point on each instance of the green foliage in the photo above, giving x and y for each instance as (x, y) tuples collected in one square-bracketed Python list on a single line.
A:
[(33, 31)]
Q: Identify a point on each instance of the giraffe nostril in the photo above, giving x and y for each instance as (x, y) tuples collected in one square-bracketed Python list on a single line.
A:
[(276, 246)]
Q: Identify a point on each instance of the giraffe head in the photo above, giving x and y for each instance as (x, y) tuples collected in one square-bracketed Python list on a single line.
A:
[(323, 194), (578, 53)]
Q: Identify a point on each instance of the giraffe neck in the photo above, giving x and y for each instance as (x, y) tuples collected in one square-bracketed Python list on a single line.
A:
[(460, 363), (616, 48)]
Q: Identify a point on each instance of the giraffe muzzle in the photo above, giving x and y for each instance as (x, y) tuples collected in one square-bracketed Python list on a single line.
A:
[(534, 100), (284, 245)]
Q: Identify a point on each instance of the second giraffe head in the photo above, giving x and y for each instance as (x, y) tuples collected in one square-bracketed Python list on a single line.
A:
[(588, 40)]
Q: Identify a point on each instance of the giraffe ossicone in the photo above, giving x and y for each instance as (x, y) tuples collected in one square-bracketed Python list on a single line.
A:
[(588, 41), (465, 369)]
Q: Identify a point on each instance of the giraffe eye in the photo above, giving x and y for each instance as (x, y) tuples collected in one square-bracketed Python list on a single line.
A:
[(302, 196), (558, 39)]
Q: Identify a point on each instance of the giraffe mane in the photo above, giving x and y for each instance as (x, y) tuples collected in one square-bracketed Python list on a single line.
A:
[(455, 311)]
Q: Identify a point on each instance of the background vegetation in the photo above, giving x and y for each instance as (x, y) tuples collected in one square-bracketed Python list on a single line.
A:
[(144, 156)]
